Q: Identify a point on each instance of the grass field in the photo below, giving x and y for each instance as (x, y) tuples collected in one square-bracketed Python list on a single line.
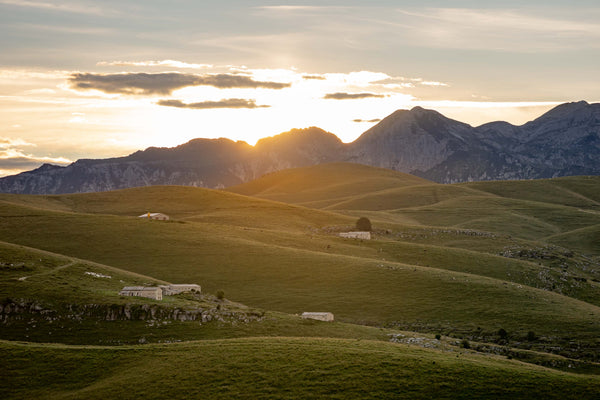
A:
[(277, 368), (465, 261)]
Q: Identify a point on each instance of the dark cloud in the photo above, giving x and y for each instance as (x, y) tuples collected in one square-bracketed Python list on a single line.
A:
[(227, 81), (225, 103), (318, 77), (348, 96), (367, 120), (20, 163), (163, 83)]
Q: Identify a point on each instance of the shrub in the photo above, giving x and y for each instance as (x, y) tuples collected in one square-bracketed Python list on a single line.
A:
[(363, 224), (502, 333), (465, 344), (220, 294), (438, 336), (531, 336)]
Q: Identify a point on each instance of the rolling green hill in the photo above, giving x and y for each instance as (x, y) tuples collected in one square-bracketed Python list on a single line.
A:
[(512, 267), (274, 368), (291, 270), (321, 185)]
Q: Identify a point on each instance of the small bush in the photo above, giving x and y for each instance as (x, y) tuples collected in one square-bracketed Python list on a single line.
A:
[(363, 224), (531, 336), (220, 294), (438, 336), (502, 333), (465, 344)]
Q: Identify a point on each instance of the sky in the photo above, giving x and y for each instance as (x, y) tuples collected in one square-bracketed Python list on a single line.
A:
[(97, 79)]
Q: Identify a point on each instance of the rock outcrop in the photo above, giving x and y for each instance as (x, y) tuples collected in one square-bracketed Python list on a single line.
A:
[(22, 309)]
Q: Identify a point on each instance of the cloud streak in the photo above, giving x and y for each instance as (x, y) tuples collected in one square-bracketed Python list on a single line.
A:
[(204, 105), (14, 160), (57, 7), (163, 83), (314, 77), (367, 120), (351, 96), (498, 29), (161, 63)]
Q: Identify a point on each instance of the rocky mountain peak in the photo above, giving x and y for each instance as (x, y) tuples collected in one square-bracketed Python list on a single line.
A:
[(563, 141)]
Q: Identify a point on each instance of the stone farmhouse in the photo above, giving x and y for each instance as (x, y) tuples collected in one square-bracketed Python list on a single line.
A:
[(157, 293), (170, 290), (356, 235), (321, 316), (156, 216), (151, 292)]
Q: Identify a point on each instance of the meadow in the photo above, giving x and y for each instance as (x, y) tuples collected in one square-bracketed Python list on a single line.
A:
[(506, 269)]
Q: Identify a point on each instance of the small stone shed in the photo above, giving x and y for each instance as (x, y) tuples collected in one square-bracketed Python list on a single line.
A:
[(156, 216), (169, 290), (321, 316), (151, 292), (356, 235)]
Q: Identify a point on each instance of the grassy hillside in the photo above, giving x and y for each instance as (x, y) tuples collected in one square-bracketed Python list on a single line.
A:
[(48, 297), (322, 185), (577, 191), (375, 283), (510, 267), (180, 203), (277, 368)]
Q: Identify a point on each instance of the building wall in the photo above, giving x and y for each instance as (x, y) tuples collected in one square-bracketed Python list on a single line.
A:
[(356, 235), (321, 316), (169, 290), (154, 293)]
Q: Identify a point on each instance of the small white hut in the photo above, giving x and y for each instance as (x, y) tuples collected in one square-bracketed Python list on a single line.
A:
[(169, 290), (156, 216), (151, 292), (321, 316), (356, 235)]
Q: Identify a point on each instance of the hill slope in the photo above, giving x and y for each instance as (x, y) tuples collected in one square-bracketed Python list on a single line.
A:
[(324, 183), (261, 368), (424, 284), (503, 291)]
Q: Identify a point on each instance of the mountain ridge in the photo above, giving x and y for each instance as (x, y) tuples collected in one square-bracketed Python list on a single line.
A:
[(563, 141)]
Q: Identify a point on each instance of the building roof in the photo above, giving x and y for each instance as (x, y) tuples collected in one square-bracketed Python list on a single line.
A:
[(140, 288), (183, 285), (316, 313), (145, 215)]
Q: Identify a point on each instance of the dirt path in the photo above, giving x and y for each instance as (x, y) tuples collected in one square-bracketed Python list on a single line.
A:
[(74, 260), (67, 265)]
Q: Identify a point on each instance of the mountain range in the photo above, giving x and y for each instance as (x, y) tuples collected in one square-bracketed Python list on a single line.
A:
[(564, 141)]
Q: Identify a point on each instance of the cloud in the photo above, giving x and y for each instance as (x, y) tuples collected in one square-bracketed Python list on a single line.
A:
[(162, 63), (27, 162), (59, 7), (78, 118), (6, 143), (367, 120), (225, 103), (163, 83), (432, 83), (317, 77), (227, 81), (499, 29), (348, 96), (14, 160)]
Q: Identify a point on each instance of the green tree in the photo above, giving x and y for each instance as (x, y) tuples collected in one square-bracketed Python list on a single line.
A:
[(363, 224)]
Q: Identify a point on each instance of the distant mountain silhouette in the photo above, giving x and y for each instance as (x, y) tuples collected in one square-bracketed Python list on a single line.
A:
[(564, 141)]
